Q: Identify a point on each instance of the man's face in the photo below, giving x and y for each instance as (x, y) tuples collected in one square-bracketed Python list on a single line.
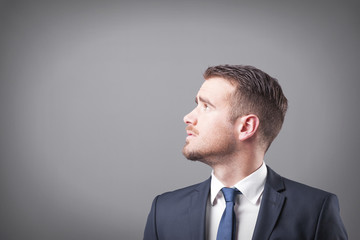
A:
[(211, 134)]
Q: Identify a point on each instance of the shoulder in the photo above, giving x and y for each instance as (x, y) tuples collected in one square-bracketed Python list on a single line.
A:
[(296, 192), (316, 210), (302, 192), (175, 203)]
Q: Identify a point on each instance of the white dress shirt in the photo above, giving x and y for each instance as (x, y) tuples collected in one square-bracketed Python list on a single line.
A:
[(246, 207)]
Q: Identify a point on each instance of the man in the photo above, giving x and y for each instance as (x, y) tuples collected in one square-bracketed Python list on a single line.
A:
[(239, 112)]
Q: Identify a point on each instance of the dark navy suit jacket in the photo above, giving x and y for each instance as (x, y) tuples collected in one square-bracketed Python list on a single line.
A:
[(288, 210)]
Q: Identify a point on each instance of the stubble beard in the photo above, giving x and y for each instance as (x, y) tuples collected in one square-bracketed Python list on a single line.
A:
[(190, 154), (208, 153)]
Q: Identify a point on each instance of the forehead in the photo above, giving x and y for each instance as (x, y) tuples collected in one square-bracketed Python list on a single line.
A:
[(216, 88)]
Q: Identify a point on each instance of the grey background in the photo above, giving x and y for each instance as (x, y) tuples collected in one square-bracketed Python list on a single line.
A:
[(92, 96)]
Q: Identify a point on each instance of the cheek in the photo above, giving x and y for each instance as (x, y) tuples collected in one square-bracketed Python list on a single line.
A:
[(217, 128), (214, 122)]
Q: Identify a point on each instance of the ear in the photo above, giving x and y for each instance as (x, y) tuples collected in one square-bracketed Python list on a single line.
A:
[(247, 126)]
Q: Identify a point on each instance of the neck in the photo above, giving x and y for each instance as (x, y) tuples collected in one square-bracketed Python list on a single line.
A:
[(236, 168)]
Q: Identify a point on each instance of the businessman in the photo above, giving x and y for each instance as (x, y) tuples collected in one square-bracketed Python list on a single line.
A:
[(239, 112)]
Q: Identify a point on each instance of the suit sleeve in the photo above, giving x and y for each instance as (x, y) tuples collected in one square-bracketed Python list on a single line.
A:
[(150, 232), (330, 225)]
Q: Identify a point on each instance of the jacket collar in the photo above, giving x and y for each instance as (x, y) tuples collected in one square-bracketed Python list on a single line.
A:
[(271, 205), (197, 210), (270, 208)]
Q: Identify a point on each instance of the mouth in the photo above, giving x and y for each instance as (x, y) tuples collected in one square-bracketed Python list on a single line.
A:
[(191, 132), (190, 136)]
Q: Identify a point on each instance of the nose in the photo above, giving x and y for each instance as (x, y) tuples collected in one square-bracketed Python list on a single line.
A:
[(190, 118)]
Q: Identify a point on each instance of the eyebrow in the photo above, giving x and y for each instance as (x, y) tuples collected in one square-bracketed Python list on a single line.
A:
[(205, 100)]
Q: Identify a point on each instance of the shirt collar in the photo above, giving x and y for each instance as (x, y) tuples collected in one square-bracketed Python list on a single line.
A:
[(251, 186)]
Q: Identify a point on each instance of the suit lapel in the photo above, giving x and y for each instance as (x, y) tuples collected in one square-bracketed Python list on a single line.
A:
[(197, 210), (271, 205)]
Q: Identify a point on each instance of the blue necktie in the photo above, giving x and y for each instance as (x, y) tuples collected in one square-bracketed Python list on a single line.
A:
[(228, 221)]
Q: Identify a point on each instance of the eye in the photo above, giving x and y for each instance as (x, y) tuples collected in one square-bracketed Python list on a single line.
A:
[(205, 107)]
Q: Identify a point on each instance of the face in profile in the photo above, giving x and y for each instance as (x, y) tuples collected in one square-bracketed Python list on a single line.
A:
[(210, 133)]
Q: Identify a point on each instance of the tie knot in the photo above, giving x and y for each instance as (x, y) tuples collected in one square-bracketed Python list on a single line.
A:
[(229, 193)]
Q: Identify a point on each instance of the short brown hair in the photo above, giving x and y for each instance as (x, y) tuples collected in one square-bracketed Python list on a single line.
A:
[(256, 93)]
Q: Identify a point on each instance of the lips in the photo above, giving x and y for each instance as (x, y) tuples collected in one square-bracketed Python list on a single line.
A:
[(191, 131)]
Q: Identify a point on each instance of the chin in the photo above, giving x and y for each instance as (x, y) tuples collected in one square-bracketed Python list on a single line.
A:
[(191, 155)]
